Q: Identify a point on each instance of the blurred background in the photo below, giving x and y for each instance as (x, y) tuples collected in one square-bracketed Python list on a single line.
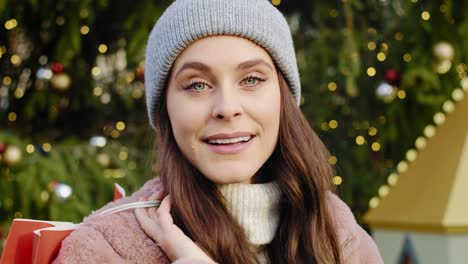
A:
[(378, 79)]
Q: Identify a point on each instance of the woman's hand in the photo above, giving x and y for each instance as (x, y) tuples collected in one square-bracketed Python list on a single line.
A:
[(158, 224)]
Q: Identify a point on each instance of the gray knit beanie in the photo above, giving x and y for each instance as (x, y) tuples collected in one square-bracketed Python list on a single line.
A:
[(186, 21)]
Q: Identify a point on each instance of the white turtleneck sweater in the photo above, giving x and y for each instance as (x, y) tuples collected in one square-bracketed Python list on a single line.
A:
[(255, 207)]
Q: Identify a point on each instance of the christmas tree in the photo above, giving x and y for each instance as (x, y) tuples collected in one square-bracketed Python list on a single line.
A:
[(377, 78)]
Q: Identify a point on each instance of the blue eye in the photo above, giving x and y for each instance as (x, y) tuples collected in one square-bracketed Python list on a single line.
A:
[(253, 81), (196, 86)]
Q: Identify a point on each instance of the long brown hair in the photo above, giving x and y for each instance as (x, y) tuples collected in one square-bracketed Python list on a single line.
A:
[(299, 164)]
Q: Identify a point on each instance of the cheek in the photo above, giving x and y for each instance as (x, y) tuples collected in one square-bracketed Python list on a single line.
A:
[(268, 110), (186, 121)]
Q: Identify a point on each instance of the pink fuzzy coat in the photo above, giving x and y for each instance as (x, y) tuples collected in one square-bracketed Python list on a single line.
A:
[(118, 238)]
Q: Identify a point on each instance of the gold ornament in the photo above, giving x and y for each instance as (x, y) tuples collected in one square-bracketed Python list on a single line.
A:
[(103, 159), (60, 82), (464, 84), (443, 51), (443, 66), (12, 156)]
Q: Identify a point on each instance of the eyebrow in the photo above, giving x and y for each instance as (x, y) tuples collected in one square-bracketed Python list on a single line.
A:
[(203, 67)]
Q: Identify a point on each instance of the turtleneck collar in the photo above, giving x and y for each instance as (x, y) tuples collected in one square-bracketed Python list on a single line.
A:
[(255, 207)]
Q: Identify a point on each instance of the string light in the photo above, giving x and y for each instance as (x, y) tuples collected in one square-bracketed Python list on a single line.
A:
[(331, 86), (371, 71), (402, 166), (105, 98), (375, 146), (11, 24), (371, 31), (381, 56), (399, 36), (97, 91), (332, 160), (411, 155), (102, 48), (120, 126), (325, 126), (425, 15), (374, 202), (384, 190), (19, 93), (12, 116), (43, 60), (46, 147), (15, 59), (30, 148), (44, 196), (138, 93), (392, 179), (461, 68), (6, 80), (401, 94), (95, 71), (276, 2), (123, 155), (458, 95), (115, 134), (360, 140), (407, 57), (384, 47), (429, 131), (333, 124), (439, 118), (464, 84), (337, 180), (420, 143), (84, 30), (372, 131), (371, 45)]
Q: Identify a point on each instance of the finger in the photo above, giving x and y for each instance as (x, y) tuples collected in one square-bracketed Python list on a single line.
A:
[(152, 212), (163, 214), (141, 214), (149, 226), (142, 217), (159, 193)]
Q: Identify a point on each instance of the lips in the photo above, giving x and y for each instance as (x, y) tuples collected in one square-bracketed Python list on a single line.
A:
[(229, 143), (229, 140), (228, 135)]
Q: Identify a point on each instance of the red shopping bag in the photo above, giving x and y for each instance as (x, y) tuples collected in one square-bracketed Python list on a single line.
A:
[(36, 241)]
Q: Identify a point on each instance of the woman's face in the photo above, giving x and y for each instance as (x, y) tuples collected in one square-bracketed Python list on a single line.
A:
[(223, 101)]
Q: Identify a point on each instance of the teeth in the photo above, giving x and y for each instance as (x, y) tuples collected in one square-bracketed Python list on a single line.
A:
[(230, 140)]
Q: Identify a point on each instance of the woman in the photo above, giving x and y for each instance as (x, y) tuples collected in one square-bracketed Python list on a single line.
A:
[(248, 180)]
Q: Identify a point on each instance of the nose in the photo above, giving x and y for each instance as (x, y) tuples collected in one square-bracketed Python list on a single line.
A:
[(227, 104)]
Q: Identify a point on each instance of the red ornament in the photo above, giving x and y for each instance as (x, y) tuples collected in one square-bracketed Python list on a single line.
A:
[(140, 73), (2, 148), (56, 67), (53, 184), (392, 77)]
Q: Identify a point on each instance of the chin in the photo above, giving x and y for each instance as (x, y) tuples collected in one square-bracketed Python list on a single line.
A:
[(230, 175)]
